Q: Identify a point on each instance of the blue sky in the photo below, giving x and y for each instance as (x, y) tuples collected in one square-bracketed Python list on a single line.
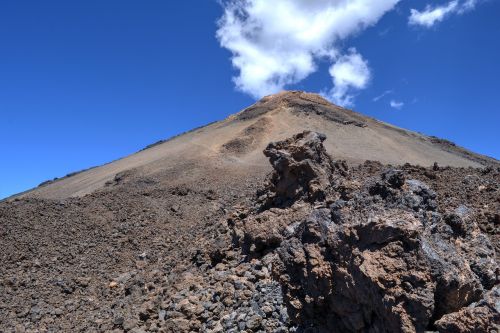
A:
[(86, 82)]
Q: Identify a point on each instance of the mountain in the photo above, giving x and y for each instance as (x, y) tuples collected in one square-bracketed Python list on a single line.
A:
[(293, 215), (234, 146)]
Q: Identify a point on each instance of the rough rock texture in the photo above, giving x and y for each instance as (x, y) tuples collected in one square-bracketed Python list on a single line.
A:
[(303, 169), (317, 247), (482, 316), (376, 254)]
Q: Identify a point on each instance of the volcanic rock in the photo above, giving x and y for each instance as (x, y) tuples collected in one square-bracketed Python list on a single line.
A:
[(385, 260)]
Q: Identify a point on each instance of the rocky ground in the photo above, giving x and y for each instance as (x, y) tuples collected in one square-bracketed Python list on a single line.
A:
[(319, 246), (377, 253)]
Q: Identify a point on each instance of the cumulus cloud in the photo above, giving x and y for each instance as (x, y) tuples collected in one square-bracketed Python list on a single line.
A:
[(350, 72), (278, 43), (432, 15), (396, 104)]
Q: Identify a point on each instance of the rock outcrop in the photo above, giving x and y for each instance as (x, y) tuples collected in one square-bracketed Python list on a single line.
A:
[(368, 255), (316, 247)]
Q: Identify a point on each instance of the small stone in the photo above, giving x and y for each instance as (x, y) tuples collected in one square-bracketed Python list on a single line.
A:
[(143, 315), (254, 322), (218, 328), (228, 301), (35, 310), (23, 313), (83, 281), (238, 285), (161, 315), (129, 324), (220, 267), (284, 315), (118, 321), (205, 315), (113, 284), (249, 276), (20, 329), (267, 310), (137, 330), (174, 314), (123, 278), (187, 307), (179, 324)]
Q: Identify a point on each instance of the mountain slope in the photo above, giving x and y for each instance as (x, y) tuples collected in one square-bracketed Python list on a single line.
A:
[(234, 146), (199, 234)]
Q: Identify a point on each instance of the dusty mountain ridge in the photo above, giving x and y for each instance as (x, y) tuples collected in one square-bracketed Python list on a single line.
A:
[(198, 236), (234, 146)]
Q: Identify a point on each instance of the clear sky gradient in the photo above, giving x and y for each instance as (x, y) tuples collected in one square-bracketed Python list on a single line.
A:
[(85, 82)]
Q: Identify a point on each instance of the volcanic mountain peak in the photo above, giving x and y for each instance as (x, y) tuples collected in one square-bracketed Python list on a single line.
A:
[(293, 97), (233, 147), (302, 102)]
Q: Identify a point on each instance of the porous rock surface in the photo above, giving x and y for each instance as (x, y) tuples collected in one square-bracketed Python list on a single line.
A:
[(374, 254)]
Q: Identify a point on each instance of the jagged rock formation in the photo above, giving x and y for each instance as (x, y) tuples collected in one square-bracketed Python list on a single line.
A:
[(303, 170), (375, 254)]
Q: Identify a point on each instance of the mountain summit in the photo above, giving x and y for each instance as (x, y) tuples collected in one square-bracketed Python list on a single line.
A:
[(234, 146)]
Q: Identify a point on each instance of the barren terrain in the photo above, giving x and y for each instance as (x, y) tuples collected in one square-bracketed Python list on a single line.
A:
[(202, 233)]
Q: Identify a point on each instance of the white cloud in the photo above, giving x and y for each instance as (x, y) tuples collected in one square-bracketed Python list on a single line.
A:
[(349, 72), (432, 15), (278, 43), (396, 104), (382, 95)]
